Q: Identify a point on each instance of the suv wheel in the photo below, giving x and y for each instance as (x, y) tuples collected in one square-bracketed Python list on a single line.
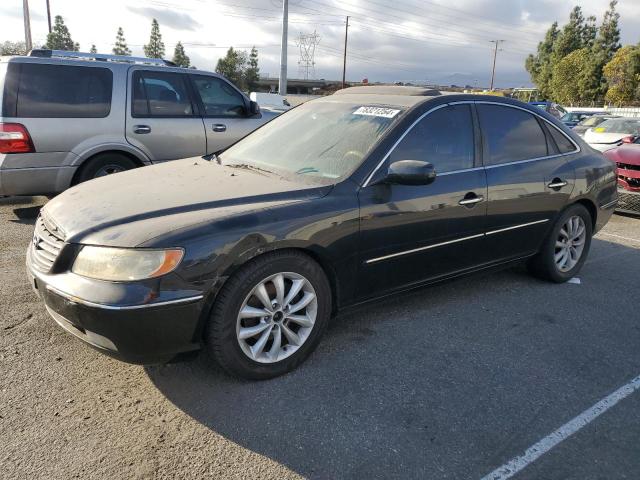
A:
[(104, 164), (565, 249), (269, 316)]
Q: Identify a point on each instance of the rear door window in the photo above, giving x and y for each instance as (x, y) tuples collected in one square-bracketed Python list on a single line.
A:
[(562, 142), (443, 138), (62, 91), (160, 94), (218, 97), (510, 135)]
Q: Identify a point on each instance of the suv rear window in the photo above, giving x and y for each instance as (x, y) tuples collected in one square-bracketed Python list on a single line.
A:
[(62, 91)]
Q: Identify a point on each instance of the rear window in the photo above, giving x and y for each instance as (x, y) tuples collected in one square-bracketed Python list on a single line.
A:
[(62, 91)]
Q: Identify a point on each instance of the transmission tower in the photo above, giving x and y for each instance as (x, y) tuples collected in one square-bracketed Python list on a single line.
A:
[(307, 43)]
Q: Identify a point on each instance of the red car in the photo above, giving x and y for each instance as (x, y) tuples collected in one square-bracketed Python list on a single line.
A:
[(627, 158)]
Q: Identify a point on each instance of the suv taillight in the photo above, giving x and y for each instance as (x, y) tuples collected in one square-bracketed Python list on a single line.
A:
[(14, 138)]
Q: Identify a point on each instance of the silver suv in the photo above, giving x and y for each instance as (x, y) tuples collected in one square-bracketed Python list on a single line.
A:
[(67, 117)]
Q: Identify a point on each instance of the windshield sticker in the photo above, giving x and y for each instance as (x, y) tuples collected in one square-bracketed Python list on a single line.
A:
[(377, 112)]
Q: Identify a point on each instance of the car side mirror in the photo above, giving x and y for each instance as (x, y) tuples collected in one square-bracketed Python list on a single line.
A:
[(629, 139), (410, 172), (254, 108)]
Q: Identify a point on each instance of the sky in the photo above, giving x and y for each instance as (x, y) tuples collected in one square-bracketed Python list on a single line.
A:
[(427, 41)]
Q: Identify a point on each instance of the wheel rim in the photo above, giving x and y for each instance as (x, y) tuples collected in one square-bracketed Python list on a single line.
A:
[(108, 170), (570, 243), (277, 317)]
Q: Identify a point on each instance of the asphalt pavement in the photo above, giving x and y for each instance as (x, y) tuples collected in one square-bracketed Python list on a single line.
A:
[(447, 382)]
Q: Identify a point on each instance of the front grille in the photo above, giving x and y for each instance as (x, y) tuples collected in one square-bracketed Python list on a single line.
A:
[(629, 201), (628, 166), (46, 245)]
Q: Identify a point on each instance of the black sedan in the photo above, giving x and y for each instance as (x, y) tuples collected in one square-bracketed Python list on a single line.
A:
[(337, 202)]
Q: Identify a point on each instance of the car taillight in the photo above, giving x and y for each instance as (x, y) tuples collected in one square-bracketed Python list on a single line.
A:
[(14, 138)]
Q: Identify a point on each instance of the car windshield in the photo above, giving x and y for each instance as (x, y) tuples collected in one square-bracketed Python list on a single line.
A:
[(572, 117), (323, 141), (620, 125), (592, 121)]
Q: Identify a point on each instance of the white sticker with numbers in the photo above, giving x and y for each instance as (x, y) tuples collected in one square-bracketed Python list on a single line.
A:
[(377, 112)]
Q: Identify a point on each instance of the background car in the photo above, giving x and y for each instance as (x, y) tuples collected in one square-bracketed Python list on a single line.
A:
[(68, 117), (610, 133), (627, 159), (339, 201), (591, 122), (571, 119), (550, 107)]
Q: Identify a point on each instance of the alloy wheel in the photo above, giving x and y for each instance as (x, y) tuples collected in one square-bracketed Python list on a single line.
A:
[(277, 317), (570, 243)]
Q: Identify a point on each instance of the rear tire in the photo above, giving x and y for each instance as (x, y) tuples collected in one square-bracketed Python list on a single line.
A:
[(565, 248), (286, 332), (102, 165)]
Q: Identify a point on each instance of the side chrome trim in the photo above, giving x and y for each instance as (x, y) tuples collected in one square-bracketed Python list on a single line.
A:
[(609, 204), (407, 252), (457, 240), (492, 232), (103, 306)]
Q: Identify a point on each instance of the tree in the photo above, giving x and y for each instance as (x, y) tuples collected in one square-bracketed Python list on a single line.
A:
[(60, 38), (120, 47), (155, 47), (13, 48), (572, 36), (232, 66), (622, 75), (252, 72), (540, 65), (180, 58), (93, 49), (569, 77)]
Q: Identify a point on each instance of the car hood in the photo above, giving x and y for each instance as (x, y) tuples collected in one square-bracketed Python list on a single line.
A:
[(591, 136), (626, 154), (129, 208)]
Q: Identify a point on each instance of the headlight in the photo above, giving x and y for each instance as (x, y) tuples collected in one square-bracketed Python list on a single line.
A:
[(125, 264)]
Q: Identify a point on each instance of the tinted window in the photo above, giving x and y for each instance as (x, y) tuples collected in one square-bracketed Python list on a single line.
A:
[(564, 144), (60, 91), (444, 138), (510, 135), (219, 98), (160, 94)]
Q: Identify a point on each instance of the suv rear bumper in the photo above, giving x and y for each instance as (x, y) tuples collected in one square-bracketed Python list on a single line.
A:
[(35, 181), (146, 333)]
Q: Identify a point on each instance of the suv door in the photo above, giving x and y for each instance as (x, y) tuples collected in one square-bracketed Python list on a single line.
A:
[(409, 234), (162, 119), (225, 111), (529, 177)]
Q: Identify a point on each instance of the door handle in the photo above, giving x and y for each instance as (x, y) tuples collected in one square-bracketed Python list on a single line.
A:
[(470, 199), (219, 127), (557, 183), (141, 129)]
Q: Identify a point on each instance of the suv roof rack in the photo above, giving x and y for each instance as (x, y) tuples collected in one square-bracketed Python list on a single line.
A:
[(100, 57)]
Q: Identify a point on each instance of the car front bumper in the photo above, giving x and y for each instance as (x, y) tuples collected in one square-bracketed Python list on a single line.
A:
[(143, 332)]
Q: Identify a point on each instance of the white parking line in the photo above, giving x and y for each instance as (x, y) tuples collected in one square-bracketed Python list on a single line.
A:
[(534, 452), (628, 239)]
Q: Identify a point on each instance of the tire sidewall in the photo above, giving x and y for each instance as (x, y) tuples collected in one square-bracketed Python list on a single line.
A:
[(224, 317), (549, 248)]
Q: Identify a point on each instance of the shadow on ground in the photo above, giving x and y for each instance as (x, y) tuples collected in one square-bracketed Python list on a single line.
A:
[(444, 382)]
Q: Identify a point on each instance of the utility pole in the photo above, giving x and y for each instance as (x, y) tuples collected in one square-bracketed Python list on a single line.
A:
[(495, 54), (27, 25), (282, 84), (49, 15), (344, 59)]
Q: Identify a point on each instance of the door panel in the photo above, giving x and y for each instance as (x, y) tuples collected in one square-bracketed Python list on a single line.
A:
[(521, 161), (224, 112), (161, 119), (413, 233), (396, 219)]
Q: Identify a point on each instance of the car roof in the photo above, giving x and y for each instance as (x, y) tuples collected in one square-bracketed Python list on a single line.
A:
[(410, 91)]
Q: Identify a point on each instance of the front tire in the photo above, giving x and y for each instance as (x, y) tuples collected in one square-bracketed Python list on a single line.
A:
[(565, 249), (269, 316)]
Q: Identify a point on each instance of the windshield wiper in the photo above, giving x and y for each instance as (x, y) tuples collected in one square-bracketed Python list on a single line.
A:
[(307, 170)]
